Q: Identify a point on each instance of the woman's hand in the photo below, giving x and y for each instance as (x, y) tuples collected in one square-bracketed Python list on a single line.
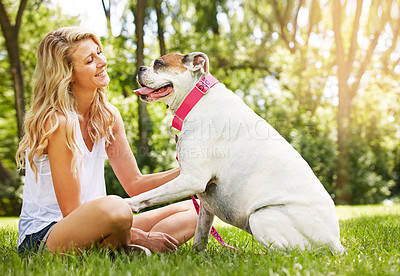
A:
[(154, 241)]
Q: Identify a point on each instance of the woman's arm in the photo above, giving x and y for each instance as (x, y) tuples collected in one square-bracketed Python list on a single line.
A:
[(66, 187), (124, 163)]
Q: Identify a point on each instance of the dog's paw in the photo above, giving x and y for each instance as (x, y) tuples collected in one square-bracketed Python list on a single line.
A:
[(131, 203), (200, 247)]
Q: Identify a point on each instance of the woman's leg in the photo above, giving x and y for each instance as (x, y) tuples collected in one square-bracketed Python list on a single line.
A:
[(105, 220), (179, 220)]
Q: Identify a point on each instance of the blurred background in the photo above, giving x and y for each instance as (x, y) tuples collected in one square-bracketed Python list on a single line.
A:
[(324, 73)]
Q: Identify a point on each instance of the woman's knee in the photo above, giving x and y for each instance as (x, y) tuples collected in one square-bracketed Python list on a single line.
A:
[(115, 211), (188, 208), (186, 205)]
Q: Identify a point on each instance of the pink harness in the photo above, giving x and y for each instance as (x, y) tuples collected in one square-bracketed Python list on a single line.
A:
[(187, 105)]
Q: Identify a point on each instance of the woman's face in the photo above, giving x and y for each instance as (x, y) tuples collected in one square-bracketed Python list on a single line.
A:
[(90, 67)]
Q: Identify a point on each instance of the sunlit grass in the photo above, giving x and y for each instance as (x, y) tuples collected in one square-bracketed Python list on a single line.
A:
[(9, 222), (370, 235), (349, 212)]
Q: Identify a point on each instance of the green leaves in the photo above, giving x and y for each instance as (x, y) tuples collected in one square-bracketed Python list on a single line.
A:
[(278, 56)]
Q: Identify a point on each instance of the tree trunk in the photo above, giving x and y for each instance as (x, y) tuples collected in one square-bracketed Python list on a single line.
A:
[(348, 92), (396, 188), (107, 12), (16, 72), (139, 14), (160, 27), (10, 33), (10, 203), (343, 187), (6, 178)]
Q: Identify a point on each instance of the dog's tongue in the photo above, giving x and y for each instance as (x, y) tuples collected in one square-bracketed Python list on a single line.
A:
[(164, 91), (143, 91), (160, 93), (151, 92)]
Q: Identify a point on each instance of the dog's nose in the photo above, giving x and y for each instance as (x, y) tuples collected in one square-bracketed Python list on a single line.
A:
[(142, 68)]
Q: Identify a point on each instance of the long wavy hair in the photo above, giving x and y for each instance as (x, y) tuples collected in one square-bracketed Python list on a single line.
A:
[(53, 96)]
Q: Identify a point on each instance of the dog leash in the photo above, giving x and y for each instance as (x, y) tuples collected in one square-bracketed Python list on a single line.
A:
[(201, 88)]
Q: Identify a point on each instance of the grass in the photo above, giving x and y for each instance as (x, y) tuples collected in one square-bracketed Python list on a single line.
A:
[(370, 234)]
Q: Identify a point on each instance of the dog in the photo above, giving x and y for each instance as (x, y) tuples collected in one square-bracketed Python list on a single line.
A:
[(240, 168)]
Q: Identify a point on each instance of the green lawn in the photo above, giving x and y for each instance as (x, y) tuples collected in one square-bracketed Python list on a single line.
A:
[(370, 235)]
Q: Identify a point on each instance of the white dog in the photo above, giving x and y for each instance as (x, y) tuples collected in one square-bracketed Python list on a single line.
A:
[(241, 169)]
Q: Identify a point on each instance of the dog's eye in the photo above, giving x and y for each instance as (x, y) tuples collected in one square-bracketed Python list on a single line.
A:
[(158, 63)]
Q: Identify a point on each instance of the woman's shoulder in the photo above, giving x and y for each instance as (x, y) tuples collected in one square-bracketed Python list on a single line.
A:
[(55, 128), (58, 122), (114, 110), (118, 125)]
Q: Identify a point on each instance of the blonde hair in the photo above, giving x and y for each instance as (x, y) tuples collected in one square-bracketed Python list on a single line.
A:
[(53, 96)]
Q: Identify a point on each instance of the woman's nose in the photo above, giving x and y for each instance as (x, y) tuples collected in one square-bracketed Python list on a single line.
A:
[(102, 60)]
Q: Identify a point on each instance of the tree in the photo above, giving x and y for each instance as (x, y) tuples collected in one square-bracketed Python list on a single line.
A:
[(37, 21), (11, 32), (206, 13), (280, 57), (293, 43), (350, 71), (348, 58), (107, 11), (139, 11), (281, 17), (160, 26), (10, 200)]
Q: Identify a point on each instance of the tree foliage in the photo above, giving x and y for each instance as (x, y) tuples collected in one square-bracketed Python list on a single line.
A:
[(11, 30), (37, 21), (283, 58)]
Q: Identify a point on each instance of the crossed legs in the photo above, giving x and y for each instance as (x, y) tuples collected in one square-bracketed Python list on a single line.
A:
[(108, 221), (179, 220)]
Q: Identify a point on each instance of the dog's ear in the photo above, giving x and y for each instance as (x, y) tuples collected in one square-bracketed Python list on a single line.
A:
[(197, 62)]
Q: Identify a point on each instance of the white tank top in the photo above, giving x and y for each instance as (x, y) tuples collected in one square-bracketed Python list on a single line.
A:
[(40, 206)]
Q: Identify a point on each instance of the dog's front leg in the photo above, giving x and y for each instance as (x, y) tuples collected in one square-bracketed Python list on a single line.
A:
[(178, 188), (203, 228)]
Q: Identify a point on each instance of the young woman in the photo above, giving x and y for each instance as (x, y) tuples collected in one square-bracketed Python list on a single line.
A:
[(68, 130)]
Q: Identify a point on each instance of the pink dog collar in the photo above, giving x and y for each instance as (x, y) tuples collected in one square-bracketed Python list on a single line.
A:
[(191, 100)]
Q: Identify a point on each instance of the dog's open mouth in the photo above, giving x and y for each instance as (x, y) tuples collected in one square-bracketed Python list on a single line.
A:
[(150, 94)]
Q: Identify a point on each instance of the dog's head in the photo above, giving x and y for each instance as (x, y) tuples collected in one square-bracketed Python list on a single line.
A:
[(171, 77)]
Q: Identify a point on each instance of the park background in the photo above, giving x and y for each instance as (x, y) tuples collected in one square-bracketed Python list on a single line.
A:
[(324, 73)]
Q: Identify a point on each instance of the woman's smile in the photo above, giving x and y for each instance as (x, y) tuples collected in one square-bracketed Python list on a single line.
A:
[(102, 73)]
